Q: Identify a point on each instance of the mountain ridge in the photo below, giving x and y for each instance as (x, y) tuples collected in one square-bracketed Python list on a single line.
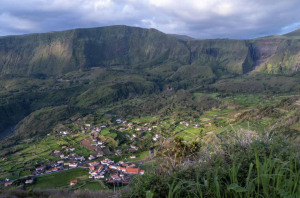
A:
[(61, 52)]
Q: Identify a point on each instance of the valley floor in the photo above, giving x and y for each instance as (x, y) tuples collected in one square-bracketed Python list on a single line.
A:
[(114, 145)]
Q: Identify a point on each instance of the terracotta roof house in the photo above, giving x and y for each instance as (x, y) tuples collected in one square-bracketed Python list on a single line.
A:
[(113, 167), (134, 171), (8, 184), (92, 168), (73, 182), (54, 169)]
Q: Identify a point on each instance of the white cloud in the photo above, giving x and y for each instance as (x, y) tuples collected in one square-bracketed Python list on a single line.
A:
[(200, 19), (8, 21)]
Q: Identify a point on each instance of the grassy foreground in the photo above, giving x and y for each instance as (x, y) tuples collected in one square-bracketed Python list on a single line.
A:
[(238, 166)]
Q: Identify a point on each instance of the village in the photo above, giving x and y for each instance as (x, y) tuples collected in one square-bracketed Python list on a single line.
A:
[(90, 153), (98, 163), (111, 151)]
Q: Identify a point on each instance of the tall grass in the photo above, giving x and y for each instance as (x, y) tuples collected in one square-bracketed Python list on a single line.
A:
[(242, 169)]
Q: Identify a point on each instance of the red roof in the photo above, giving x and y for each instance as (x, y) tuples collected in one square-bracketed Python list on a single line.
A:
[(8, 184), (73, 181), (132, 170)]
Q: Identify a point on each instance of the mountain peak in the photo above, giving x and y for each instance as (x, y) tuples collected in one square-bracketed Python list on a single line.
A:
[(182, 37), (293, 33)]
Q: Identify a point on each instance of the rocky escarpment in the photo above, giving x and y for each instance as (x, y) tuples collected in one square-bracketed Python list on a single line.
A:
[(277, 55), (58, 53)]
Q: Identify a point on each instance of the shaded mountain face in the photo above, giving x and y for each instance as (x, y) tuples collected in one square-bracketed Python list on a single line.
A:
[(58, 53), (62, 52)]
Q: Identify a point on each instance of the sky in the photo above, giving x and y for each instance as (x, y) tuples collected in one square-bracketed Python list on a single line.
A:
[(237, 19)]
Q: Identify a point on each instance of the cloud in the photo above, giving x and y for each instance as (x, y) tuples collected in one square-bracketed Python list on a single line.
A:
[(199, 19)]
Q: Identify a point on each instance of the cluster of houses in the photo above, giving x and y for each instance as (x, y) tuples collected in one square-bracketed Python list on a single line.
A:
[(184, 123), (60, 164), (8, 182), (118, 172)]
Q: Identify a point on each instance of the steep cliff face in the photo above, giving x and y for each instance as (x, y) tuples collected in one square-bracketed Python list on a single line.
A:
[(131, 47), (62, 52), (50, 53), (277, 55), (232, 56)]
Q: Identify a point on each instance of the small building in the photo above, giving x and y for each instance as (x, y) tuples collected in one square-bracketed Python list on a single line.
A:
[(30, 181), (40, 168), (73, 182), (134, 171), (8, 184), (113, 167), (79, 158), (134, 147), (131, 166), (64, 132), (107, 161), (99, 176), (92, 168), (116, 177), (60, 162), (99, 155), (132, 157), (56, 152), (55, 169), (73, 165), (91, 157)]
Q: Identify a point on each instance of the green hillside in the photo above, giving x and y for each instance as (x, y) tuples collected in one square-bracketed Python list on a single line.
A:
[(118, 69)]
